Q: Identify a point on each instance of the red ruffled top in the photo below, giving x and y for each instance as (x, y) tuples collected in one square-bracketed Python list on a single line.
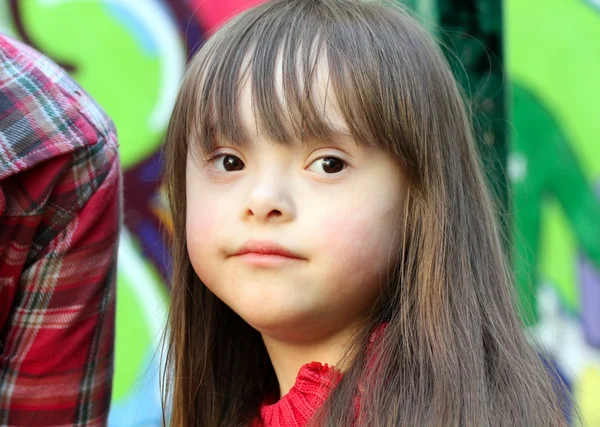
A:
[(313, 384)]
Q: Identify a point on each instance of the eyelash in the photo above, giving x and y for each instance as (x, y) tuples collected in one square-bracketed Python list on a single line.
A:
[(345, 165)]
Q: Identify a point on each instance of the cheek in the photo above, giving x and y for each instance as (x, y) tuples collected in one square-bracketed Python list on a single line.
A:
[(202, 211), (200, 221), (359, 246), (201, 224)]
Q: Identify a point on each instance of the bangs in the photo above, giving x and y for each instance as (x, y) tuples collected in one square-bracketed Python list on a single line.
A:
[(296, 65)]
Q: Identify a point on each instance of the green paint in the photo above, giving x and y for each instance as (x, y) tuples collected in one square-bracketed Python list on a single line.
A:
[(552, 175), (558, 247), (111, 66), (6, 24), (553, 49), (554, 67), (133, 340)]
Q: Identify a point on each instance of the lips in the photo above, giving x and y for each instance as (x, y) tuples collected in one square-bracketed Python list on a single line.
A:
[(266, 248)]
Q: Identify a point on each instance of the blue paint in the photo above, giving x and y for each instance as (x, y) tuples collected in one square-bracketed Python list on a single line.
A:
[(154, 246), (142, 406), (151, 170), (594, 3), (562, 384), (122, 13)]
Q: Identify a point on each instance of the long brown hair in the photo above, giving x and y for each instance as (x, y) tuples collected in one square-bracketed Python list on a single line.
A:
[(453, 353)]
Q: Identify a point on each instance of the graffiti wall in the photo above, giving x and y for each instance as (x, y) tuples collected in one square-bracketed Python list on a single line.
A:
[(554, 166), (130, 55)]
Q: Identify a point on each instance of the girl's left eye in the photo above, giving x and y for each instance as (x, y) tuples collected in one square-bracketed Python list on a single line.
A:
[(328, 165)]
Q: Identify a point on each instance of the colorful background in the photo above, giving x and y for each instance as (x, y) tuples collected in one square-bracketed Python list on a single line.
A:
[(130, 55)]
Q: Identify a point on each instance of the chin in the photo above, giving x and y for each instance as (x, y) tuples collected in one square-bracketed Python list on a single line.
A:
[(283, 324), (266, 319)]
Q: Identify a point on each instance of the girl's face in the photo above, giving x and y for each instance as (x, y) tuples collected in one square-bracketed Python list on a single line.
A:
[(297, 239)]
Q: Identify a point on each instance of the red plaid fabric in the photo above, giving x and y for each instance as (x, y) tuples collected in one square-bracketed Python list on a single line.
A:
[(59, 219)]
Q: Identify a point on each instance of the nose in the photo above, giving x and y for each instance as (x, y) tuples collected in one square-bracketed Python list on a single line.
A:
[(270, 199)]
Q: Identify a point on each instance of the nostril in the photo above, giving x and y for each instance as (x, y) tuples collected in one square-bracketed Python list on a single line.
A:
[(272, 214)]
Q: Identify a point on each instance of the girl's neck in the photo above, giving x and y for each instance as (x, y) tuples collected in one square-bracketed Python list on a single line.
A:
[(288, 357)]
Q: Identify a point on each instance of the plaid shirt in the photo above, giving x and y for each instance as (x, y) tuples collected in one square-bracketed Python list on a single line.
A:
[(59, 220)]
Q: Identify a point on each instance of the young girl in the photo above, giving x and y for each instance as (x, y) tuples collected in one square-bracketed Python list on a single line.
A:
[(336, 256)]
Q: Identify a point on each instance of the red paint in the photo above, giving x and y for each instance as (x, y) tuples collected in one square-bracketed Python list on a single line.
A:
[(213, 13)]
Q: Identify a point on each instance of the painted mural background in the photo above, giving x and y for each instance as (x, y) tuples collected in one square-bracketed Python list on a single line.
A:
[(553, 63), (130, 55)]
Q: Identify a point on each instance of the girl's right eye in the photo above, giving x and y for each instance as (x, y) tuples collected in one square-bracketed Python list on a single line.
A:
[(227, 163)]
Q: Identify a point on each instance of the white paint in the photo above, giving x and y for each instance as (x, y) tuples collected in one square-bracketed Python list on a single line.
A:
[(145, 287), (165, 34), (595, 2), (517, 167), (562, 336)]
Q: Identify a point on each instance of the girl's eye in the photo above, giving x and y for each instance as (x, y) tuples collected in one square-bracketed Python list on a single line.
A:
[(228, 163), (328, 165)]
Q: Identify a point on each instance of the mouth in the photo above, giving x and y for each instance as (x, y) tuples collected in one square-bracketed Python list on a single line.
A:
[(265, 253)]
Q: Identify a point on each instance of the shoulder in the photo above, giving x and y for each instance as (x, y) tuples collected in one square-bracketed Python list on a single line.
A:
[(58, 149), (44, 113)]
